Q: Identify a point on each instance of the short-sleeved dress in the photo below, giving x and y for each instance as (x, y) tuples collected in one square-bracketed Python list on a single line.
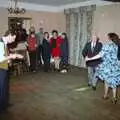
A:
[(109, 69)]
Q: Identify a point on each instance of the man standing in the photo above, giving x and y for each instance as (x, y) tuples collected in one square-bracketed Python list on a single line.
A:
[(40, 35), (91, 49)]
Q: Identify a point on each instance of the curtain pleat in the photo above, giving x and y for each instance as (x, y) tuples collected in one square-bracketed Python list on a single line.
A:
[(79, 22)]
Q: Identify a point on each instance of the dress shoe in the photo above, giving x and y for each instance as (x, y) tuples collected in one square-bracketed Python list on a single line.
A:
[(94, 88)]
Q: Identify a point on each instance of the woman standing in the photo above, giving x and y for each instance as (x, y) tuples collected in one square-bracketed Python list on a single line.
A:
[(32, 48), (109, 69), (64, 52), (4, 58), (55, 42), (46, 53)]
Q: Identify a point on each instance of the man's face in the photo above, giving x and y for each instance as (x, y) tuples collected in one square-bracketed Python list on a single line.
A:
[(94, 38), (41, 30)]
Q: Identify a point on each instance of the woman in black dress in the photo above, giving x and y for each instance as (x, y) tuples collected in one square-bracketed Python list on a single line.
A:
[(64, 47), (46, 52)]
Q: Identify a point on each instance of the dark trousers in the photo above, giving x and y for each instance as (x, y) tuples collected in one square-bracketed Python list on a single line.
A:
[(64, 62), (4, 89), (39, 54), (33, 60), (46, 64)]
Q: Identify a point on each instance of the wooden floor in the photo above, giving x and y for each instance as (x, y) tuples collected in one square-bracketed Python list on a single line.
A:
[(54, 96)]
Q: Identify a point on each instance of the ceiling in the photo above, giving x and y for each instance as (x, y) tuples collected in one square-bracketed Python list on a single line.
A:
[(54, 2)]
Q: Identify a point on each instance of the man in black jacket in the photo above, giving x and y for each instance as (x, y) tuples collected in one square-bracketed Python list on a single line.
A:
[(91, 49)]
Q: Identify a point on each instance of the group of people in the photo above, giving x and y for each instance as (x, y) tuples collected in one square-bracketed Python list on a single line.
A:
[(42, 47), (102, 60)]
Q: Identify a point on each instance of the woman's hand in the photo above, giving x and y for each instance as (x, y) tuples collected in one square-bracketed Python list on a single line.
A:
[(86, 58), (19, 56), (14, 56)]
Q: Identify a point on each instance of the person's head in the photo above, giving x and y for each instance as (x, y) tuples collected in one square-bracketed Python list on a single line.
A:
[(46, 35), (55, 34), (114, 37), (9, 37), (24, 31), (64, 36), (41, 30), (32, 30), (32, 35), (95, 38)]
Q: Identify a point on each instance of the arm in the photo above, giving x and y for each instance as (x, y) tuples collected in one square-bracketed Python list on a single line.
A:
[(4, 58), (2, 52), (93, 58)]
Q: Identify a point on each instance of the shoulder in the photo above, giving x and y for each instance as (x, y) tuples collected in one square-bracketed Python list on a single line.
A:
[(59, 38), (37, 33), (100, 44), (107, 46), (51, 38), (88, 43)]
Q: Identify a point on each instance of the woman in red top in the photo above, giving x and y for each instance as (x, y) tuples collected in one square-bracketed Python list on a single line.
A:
[(32, 48), (55, 42)]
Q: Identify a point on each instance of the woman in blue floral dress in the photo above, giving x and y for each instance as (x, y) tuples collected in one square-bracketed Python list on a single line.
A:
[(109, 69)]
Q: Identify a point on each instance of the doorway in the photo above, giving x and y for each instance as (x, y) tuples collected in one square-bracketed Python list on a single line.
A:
[(16, 23)]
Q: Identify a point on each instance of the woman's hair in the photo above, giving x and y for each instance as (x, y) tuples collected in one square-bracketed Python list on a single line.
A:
[(65, 34), (114, 37), (55, 31), (32, 30), (46, 33)]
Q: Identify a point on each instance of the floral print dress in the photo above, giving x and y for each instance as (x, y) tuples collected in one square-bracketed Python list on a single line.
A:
[(109, 69)]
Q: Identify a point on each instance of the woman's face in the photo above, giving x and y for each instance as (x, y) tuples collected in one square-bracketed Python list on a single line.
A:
[(55, 35), (32, 35), (46, 35), (63, 36)]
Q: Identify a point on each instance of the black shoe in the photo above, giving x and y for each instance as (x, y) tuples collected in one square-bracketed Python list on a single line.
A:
[(89, 85), (94, 88), (114, 100)]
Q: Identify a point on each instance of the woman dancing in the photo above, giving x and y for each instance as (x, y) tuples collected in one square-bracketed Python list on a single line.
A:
[(109, 69)]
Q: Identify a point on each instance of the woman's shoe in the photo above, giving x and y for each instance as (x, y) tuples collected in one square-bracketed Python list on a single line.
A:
[(114, 100), (105, 97)]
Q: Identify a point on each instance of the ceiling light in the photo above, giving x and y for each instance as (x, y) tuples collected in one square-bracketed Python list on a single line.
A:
[(13, 7)]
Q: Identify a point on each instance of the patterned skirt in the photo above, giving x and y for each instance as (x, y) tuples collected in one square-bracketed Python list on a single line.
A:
[(109, 73)]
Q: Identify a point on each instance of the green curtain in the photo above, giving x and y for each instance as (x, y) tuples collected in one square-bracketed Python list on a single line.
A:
[(79, 22)]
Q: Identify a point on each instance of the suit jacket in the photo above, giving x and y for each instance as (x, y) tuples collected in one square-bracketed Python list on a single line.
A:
[(87, 51)]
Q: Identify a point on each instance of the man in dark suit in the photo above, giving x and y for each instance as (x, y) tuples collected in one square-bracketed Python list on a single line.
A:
[(91, 49)]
